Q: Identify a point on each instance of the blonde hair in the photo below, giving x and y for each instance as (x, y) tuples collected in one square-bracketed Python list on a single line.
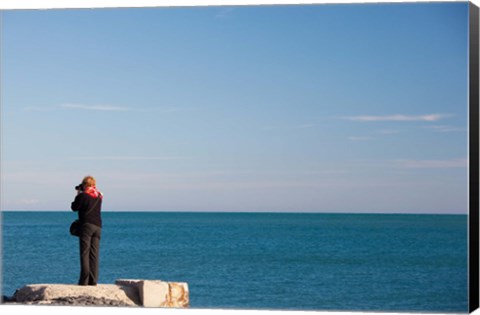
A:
[(89, 181)]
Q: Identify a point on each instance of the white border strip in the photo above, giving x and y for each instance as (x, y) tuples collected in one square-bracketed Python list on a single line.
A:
[(82, 4), (74, 310)]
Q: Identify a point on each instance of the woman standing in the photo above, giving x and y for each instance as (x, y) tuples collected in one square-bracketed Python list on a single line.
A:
[(88, 203)]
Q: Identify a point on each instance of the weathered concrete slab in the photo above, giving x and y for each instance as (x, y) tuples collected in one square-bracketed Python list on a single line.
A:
[(147, 293), (157, 293), (53, 293), (154, 293)]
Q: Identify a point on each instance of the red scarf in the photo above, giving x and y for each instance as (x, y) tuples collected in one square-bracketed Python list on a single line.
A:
[(92, 191)]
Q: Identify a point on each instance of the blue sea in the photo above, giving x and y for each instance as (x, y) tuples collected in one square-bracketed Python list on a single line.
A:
[(288, 261)]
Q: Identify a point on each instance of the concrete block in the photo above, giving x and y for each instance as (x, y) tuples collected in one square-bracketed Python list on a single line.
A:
[(157, 293), (153, 293)]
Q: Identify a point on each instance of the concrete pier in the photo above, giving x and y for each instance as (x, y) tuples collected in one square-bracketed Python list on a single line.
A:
[(125, 292)]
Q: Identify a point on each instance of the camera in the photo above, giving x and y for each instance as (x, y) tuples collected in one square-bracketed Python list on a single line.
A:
[(79, 187)]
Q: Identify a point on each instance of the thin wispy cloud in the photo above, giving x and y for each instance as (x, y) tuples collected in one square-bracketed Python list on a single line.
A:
[(388, 132), (75, 107), (450, 163), (29, 201), (224, 13), (126, 158), (357, 138), (411, 163), (304, 126), (444, 128), (107, 108), (398, 117), (94, 107)]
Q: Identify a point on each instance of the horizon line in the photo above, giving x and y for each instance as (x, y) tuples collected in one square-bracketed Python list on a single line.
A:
[(248, 212)]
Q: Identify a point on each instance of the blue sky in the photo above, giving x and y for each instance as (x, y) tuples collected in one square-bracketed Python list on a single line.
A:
[(311, 108)]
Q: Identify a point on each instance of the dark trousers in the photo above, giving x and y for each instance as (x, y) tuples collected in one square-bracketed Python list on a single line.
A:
[(89, 254)]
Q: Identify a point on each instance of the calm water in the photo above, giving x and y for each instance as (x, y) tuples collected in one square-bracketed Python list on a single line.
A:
[(350, 262)]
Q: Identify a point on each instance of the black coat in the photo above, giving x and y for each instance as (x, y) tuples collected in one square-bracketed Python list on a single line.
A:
[(83, 203)]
